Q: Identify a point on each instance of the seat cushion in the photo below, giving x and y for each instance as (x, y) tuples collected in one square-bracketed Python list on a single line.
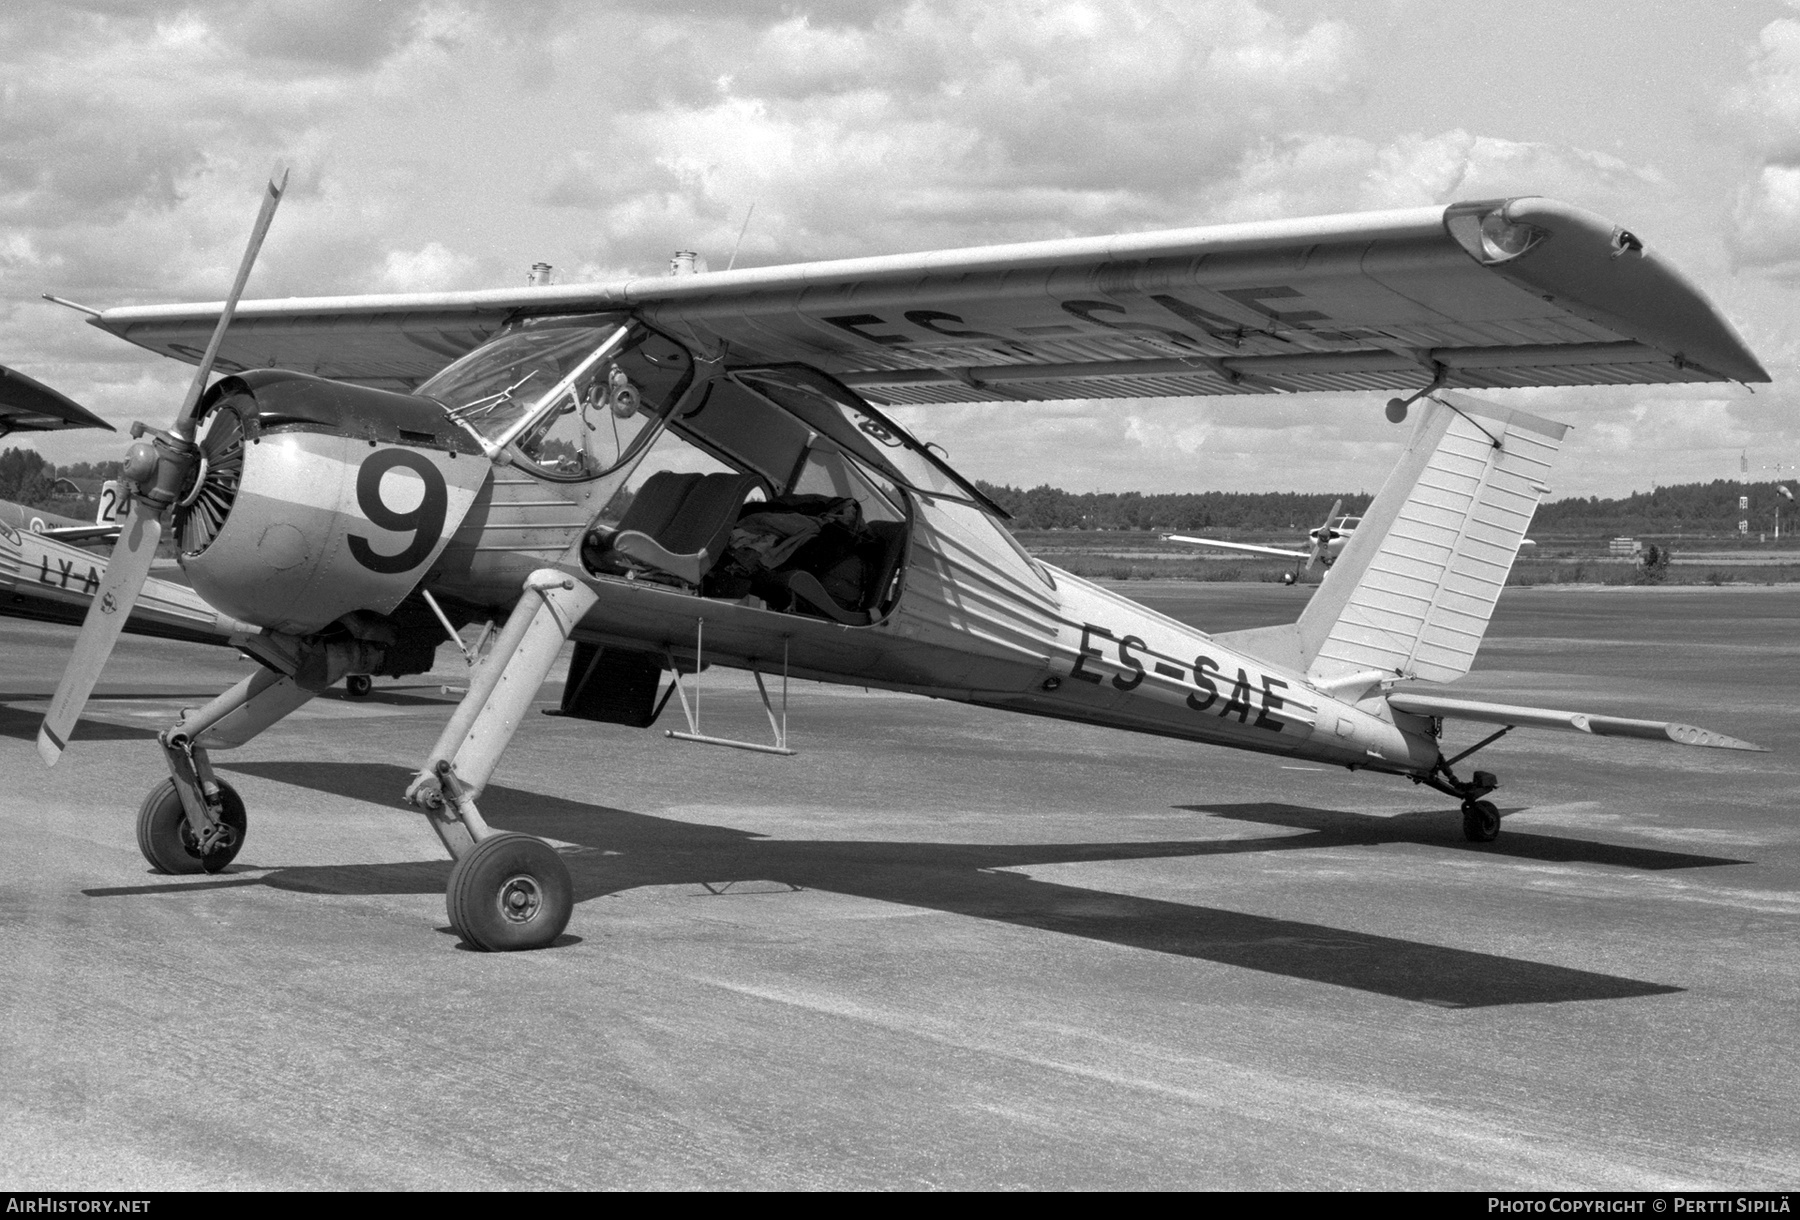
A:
[(657, 502), (707, 515)]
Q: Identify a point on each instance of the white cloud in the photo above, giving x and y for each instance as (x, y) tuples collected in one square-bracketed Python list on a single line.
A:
[(451, 143), (1765, 110), (1303, 175), (433, 267)]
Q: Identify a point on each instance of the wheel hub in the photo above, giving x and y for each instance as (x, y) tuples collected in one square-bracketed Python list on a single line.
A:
[(223, 837), (521, 898)]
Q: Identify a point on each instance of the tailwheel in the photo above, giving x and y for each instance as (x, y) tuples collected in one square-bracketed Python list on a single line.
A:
[(358, 685), (510, 891), (169, 843), (1481, 821)]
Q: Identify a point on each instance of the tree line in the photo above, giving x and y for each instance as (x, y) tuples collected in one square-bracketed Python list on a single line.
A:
[(26, 477), (1051, 508), (1686, 508)]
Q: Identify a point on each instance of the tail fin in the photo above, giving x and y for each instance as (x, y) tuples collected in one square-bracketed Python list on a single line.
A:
[(1414, 589)]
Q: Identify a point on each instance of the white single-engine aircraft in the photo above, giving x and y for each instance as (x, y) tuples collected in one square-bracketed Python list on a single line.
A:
[(1325, 543), (689, 471)]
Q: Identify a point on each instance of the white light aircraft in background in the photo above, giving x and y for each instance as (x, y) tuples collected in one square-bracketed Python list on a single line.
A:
[(695, 470), (1325, 543)]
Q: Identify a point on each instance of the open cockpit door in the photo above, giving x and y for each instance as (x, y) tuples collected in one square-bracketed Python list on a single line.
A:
[(774, 489)]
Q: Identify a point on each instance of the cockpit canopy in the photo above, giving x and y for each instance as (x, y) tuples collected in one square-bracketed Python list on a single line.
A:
[(572, 397)]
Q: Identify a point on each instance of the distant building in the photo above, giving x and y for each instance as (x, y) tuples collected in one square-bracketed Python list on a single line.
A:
[(1627, 547)]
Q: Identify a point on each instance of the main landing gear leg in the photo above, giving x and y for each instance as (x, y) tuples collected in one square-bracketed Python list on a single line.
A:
[(193, 821), (507, 890)]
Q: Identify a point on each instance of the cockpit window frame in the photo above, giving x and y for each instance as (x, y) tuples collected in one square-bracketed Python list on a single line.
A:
[(639, 331), (856, 445)]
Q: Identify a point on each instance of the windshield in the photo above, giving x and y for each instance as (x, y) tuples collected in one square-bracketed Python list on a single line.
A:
[(607, 394), (861, 429)]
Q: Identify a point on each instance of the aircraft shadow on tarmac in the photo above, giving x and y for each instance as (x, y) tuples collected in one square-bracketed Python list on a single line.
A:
[(620, 850), (1437, 828), (23, 723)]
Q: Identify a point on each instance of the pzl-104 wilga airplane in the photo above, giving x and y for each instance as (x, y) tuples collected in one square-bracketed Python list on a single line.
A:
[(689, 471)]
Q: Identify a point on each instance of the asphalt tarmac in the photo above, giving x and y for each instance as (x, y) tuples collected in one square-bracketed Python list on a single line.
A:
[(942, 947)]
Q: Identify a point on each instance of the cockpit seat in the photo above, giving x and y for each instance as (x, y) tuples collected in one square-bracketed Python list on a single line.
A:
[(852, 589), (679, 523)]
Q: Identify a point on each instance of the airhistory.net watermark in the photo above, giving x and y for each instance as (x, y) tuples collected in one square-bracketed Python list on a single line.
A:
[(62, 1205)]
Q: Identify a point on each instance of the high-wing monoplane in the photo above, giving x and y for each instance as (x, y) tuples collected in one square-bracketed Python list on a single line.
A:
[(695, 470), (1323, 544)]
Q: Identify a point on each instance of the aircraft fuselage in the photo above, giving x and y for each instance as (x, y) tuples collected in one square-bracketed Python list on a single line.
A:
[(348, 511)]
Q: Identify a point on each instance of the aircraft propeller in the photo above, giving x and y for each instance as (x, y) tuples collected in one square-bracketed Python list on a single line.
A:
[(1321, 542), (166, 472)]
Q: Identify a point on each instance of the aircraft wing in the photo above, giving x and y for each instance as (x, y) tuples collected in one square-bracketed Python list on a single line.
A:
[(28, 405), (1237, 546), (80, 533), (1494, 293), (42, 578), (1421, 704)]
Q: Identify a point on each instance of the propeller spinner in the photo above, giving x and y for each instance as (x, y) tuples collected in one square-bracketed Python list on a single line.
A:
[(164, 472)]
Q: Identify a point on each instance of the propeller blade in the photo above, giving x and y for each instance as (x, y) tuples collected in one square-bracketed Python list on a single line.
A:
[(1337, 506), (184, 419), (1323, 535), (161, 473), (126, 572)]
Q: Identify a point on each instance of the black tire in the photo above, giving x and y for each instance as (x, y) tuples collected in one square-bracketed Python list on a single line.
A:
[(164, 838), (1481, 822), (510, 891), (358, 685)]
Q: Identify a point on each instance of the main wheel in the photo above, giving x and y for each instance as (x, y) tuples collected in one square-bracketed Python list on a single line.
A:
[(170, 845), (358, 685), (510, 891), (1481, 821)]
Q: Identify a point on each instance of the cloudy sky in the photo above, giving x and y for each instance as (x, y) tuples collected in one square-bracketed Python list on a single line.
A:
[(452, 143)]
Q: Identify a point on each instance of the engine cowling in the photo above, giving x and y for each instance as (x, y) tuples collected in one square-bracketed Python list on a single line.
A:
[(321, 498)]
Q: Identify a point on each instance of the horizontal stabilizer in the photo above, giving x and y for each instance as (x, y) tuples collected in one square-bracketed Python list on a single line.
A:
[(1420, 704)]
